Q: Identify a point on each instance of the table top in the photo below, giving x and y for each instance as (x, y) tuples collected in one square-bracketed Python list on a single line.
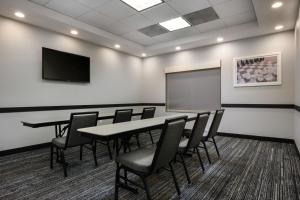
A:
[(53, 121), (110, 130)]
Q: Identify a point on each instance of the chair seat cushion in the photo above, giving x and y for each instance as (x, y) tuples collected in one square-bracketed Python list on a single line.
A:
[(187, 132), (139, 160), (59, 141), (183, 144)]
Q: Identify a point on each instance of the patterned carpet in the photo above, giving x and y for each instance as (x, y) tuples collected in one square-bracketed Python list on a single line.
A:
[(248, 169)]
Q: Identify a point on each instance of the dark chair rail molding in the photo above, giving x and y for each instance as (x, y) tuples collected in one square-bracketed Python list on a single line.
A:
[(254, 137), (297, 108), (279, 106), (71, 107)]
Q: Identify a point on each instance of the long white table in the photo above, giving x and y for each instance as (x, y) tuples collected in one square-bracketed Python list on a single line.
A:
[(111, 130), (114, 131)]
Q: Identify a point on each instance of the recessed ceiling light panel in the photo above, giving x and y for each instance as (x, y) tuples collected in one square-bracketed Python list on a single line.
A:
[(277, 4), (178, 48), (74, 32), (19, 14), (220, 39), (117, 46), (175, 24), (279, 27), (141, 5)]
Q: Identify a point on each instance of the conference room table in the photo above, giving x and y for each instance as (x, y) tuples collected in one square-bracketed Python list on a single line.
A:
[(59, 122), (115, 131)]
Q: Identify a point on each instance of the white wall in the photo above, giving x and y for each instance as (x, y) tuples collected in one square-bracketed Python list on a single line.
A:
[(262, 122), (115, 78), (297, 83)]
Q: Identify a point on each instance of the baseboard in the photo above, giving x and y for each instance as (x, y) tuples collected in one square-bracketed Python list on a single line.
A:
[(254, 137), (23, 149)]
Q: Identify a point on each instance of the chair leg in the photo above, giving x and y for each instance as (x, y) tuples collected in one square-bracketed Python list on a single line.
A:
[(117, 182), (206, 151), (138, 140), (146, 188), (126, 176), (109, 150), (57, 154), (81, 149), (174, 179), (63, 162), (94, 153), (185, 168), (200, 160), (151, 137), (216, 146), (51, 156)]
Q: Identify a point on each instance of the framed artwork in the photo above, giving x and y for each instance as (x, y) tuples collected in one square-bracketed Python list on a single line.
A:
[(257, 70)]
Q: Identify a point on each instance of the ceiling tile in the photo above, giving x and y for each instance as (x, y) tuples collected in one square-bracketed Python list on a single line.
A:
[(186, 32), (233, 7), (137, 21), (118, 28), (160, 13), (239, 18), (68, 7), (214, 2), (92, 3), (116, 9), (210, 26), (187, 6), (96, 19), (166, 37), (140, 38), (41, 2)]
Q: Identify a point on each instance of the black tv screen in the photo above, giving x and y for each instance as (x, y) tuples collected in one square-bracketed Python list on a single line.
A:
[(62, 66)]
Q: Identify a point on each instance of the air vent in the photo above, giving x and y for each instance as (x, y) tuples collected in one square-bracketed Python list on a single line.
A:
[(201, 16), (153, 30)]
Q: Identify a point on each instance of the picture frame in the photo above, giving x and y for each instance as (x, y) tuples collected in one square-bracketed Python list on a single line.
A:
[(257, 70)]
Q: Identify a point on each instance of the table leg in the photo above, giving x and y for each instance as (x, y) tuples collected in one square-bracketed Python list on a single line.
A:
[(56, 131), (116, 141)]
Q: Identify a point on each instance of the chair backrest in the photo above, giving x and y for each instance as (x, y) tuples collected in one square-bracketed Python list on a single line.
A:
[(213, 131), (80, 120), (168, 142), (123, 115), (198, 130), (148, 112)]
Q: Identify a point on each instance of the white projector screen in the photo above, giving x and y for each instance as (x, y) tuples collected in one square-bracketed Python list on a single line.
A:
[(194, 90)]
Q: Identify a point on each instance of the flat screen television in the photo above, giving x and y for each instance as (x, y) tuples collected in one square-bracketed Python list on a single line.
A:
[(62, 66)]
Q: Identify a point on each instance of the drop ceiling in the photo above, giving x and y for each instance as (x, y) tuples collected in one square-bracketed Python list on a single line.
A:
[(107, 22)]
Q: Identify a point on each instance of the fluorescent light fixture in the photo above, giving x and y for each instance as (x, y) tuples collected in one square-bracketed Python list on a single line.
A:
[(141, 5), (278, 27), (178, 48), (220, 39), (144, 54), (277, 4), (117, 46), (175, 24), (74, 32), (19, 14)]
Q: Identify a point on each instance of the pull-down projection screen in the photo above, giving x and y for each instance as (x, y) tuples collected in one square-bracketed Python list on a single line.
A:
[(194, 90)]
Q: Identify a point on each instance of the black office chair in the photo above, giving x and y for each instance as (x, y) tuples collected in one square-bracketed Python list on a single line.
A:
[(147, 114), (74, 138), (123, 115), (120, 116), (144, 162), (213, 131), (191, 144)]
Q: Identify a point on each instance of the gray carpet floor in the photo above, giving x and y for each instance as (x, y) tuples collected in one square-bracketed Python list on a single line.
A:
[(247, 169)]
